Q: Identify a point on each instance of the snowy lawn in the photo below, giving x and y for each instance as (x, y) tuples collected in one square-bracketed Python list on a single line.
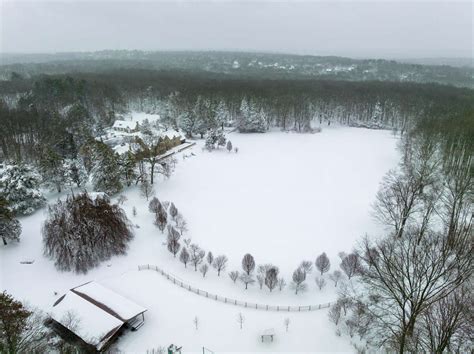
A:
[(283, 197)]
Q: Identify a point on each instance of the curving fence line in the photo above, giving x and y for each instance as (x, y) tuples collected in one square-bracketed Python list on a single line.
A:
[(231, 301)]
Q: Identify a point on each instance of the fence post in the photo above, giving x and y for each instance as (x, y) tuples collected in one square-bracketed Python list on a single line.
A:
[(310, 307), (225, 300), (299, 308), (288, 308), (148, 266), (320, 306)]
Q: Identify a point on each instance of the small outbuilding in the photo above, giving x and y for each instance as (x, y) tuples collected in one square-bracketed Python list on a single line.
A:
[(96, 314), (268, 334)]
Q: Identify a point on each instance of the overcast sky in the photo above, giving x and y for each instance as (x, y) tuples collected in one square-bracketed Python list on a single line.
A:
[(349, 28)]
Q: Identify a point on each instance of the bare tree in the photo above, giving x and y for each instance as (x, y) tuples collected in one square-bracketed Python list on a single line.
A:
[(121, 199), (407, 277), (281, 283), (457, 197), (322, 263), (246, 279), (181, 224), (210, 258), (161, 219), (320, 282), (442, 325), (184, 256), (260, 280), (306, 267), (286, 322), (402, 190), (148, 149), (173, 241), (335, 276), (344, 302), (154, 205), (146, 189), (234, 275), (298, 281), (173, 211), (220, 263), (351, 265), (196, 322), (248, 263), (197, 255), (240, 320), (271, 278), (204, 269), (335, 313)]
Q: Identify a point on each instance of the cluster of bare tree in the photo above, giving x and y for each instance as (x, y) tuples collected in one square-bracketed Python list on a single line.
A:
[(412, 291)]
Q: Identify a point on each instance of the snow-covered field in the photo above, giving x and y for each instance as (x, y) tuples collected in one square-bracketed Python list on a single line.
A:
[(283, 197)]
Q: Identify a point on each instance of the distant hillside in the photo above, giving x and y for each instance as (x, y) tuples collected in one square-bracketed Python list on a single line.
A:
[(455, 62), (240, 64)]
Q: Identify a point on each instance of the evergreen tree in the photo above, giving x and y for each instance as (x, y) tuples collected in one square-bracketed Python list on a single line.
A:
[(10, 227), (106, 172), (52, 170), (187, 123), (128, 163), (13, 321), (252, 119), (19, 185), (75, 172), (222, 115)]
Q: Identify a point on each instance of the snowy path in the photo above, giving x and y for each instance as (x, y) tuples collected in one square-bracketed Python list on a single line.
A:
[(231, 301)]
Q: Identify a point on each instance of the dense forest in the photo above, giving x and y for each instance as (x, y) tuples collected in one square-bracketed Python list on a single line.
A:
[(240, 64), (64, 111)]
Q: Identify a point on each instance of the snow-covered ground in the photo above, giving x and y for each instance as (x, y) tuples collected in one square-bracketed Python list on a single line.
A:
[(283, 197)]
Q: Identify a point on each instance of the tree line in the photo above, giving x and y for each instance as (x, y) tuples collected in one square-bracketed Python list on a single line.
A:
[(62, 111)]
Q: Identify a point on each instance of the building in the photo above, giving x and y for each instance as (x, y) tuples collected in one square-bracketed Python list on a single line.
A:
[(95, 315), (126, 126)]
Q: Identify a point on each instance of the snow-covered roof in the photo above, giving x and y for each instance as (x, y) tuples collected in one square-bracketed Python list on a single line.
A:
[(125, 124), (95, 195), (171, 134), (98, 312), (92, 324), (117, 304)]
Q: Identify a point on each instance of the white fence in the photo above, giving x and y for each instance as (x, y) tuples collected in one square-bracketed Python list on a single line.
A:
[(231, 301)]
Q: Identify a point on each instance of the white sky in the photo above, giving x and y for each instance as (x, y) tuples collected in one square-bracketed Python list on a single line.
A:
[(349, 28)]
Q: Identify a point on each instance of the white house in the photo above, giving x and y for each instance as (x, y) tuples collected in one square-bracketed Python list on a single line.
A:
[(126, 126)]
